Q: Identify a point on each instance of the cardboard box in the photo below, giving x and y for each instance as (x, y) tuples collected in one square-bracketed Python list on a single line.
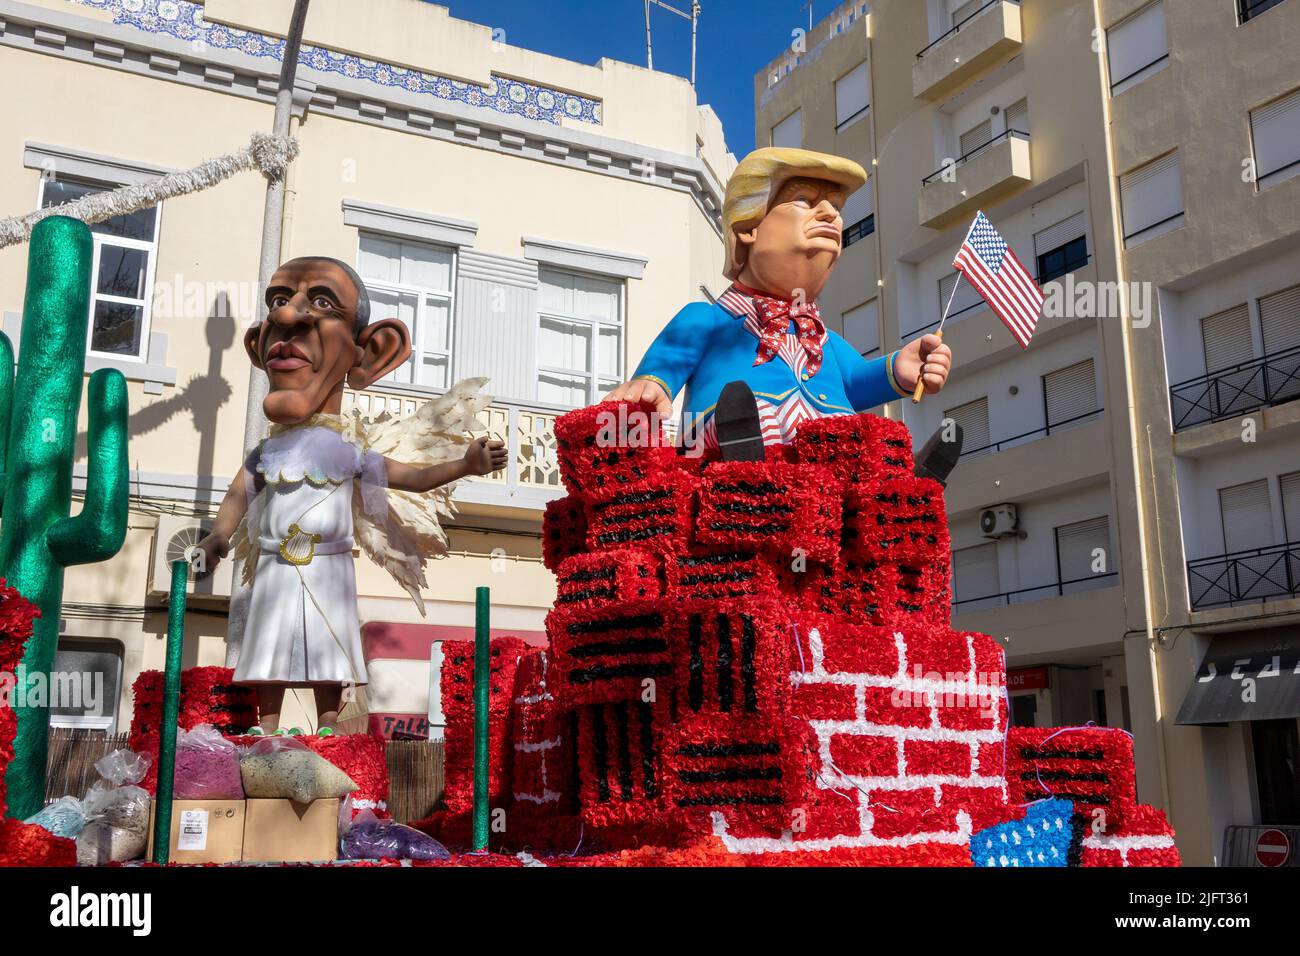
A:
[(204, 831), (282, 831)]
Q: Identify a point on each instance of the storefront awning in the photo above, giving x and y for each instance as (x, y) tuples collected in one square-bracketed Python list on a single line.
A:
[(1246, 677)]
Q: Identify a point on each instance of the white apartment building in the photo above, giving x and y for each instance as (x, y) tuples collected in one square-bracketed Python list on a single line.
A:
[(1126, 510)]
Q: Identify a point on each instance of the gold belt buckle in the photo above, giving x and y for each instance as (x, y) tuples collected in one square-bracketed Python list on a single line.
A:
[(298, 546)]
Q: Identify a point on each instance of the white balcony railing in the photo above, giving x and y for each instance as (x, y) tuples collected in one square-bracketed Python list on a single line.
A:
[(532, 475)]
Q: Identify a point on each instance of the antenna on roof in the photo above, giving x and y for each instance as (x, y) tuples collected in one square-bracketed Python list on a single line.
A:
[(693, 16)]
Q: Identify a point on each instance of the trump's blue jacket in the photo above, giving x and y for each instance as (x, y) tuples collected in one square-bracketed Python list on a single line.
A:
[(705, 346)]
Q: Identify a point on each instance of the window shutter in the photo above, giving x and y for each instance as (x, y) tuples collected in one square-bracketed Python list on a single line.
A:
[(1291, 506), (852, 93), (973, 417), (966, 10), (1151, 196), (496, 322), (1053, 237), (1247, 516), (1075, 544), (1135, 44), (1276, 131), (862, 327), (1279, 315), (858, 206), (975, 572), (1070, 392), (1018, 117), (1227, 338), (976, 137), (789, 132), (965, 298)]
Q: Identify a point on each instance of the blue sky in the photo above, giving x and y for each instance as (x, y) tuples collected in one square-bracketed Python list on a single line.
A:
[(737, 37)]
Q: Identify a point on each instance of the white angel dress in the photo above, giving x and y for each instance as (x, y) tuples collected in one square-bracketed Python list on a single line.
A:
[(324, 491)]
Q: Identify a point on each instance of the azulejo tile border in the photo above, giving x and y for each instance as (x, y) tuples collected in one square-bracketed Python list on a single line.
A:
[(184, 20)]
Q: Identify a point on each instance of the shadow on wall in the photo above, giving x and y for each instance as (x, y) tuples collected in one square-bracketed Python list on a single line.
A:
[(202, 396)]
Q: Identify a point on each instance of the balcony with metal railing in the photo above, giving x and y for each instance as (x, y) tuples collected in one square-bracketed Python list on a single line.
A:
[(532, 474), (989, 36), (1236, 390), (980, 177), (1244, 577)]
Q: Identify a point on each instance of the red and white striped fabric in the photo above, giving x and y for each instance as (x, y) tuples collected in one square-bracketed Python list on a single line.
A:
[(778, 421), (993, 269)]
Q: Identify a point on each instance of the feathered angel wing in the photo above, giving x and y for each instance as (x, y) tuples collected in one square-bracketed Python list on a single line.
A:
[(402, 538), (242, 541)]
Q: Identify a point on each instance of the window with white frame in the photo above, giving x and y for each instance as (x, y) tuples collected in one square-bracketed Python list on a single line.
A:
[(413, 281), (789, 132), (1275, 131), (580, 337), (122, 271), (852, 95), (1137, 47)]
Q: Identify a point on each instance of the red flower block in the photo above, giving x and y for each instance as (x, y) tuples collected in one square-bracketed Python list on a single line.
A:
[(608, 577), (756, 771), (457, 684), (604, 655), (731, 657), (27, 844), (775, 507), (655, 513), (1092, 766), (900, 520), (606, 447), (856, 448), (619, 762), (564, 531), (705, 572)]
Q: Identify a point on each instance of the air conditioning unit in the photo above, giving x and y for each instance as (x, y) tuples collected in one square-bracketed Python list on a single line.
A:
[(175, 536), (999, 521)]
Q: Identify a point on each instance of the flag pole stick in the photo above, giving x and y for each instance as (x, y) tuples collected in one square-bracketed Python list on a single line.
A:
[(920, 378)]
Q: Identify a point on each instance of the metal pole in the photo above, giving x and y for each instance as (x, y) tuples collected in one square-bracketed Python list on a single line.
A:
[(695, 21), (171, 708), (272, 221), (649, 52), (482, 634)]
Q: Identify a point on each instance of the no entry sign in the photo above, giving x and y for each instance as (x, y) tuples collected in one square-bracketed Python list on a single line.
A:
[(1272, 848)]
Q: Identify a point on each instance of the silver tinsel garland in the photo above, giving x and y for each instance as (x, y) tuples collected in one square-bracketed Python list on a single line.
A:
[(268, 154)]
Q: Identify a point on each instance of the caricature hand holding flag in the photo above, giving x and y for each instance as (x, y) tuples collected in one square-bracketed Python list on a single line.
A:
[(993, 269)]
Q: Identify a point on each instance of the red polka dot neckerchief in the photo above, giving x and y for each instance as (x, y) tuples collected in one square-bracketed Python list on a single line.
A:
[(774, 315)]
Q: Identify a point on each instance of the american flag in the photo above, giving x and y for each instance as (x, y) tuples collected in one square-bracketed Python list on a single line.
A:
[(997, 275)]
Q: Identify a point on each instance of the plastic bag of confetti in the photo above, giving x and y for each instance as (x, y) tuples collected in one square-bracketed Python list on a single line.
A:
[(370, 838), (281, 767), (116, 811), (64, 817), (207, 766)]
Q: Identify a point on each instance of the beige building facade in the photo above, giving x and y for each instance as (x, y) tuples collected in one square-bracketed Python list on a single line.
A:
[(1126, 512), (534, 220)]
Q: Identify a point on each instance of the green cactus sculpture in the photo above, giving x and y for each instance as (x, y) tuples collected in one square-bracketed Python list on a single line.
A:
[(38, 539)]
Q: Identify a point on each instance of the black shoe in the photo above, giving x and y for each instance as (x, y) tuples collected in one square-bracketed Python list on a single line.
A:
[(735, 421), (938, 458)]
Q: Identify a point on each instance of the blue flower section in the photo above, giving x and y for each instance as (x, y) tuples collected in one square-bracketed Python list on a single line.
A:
[(185, 21), (1042, 838)]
